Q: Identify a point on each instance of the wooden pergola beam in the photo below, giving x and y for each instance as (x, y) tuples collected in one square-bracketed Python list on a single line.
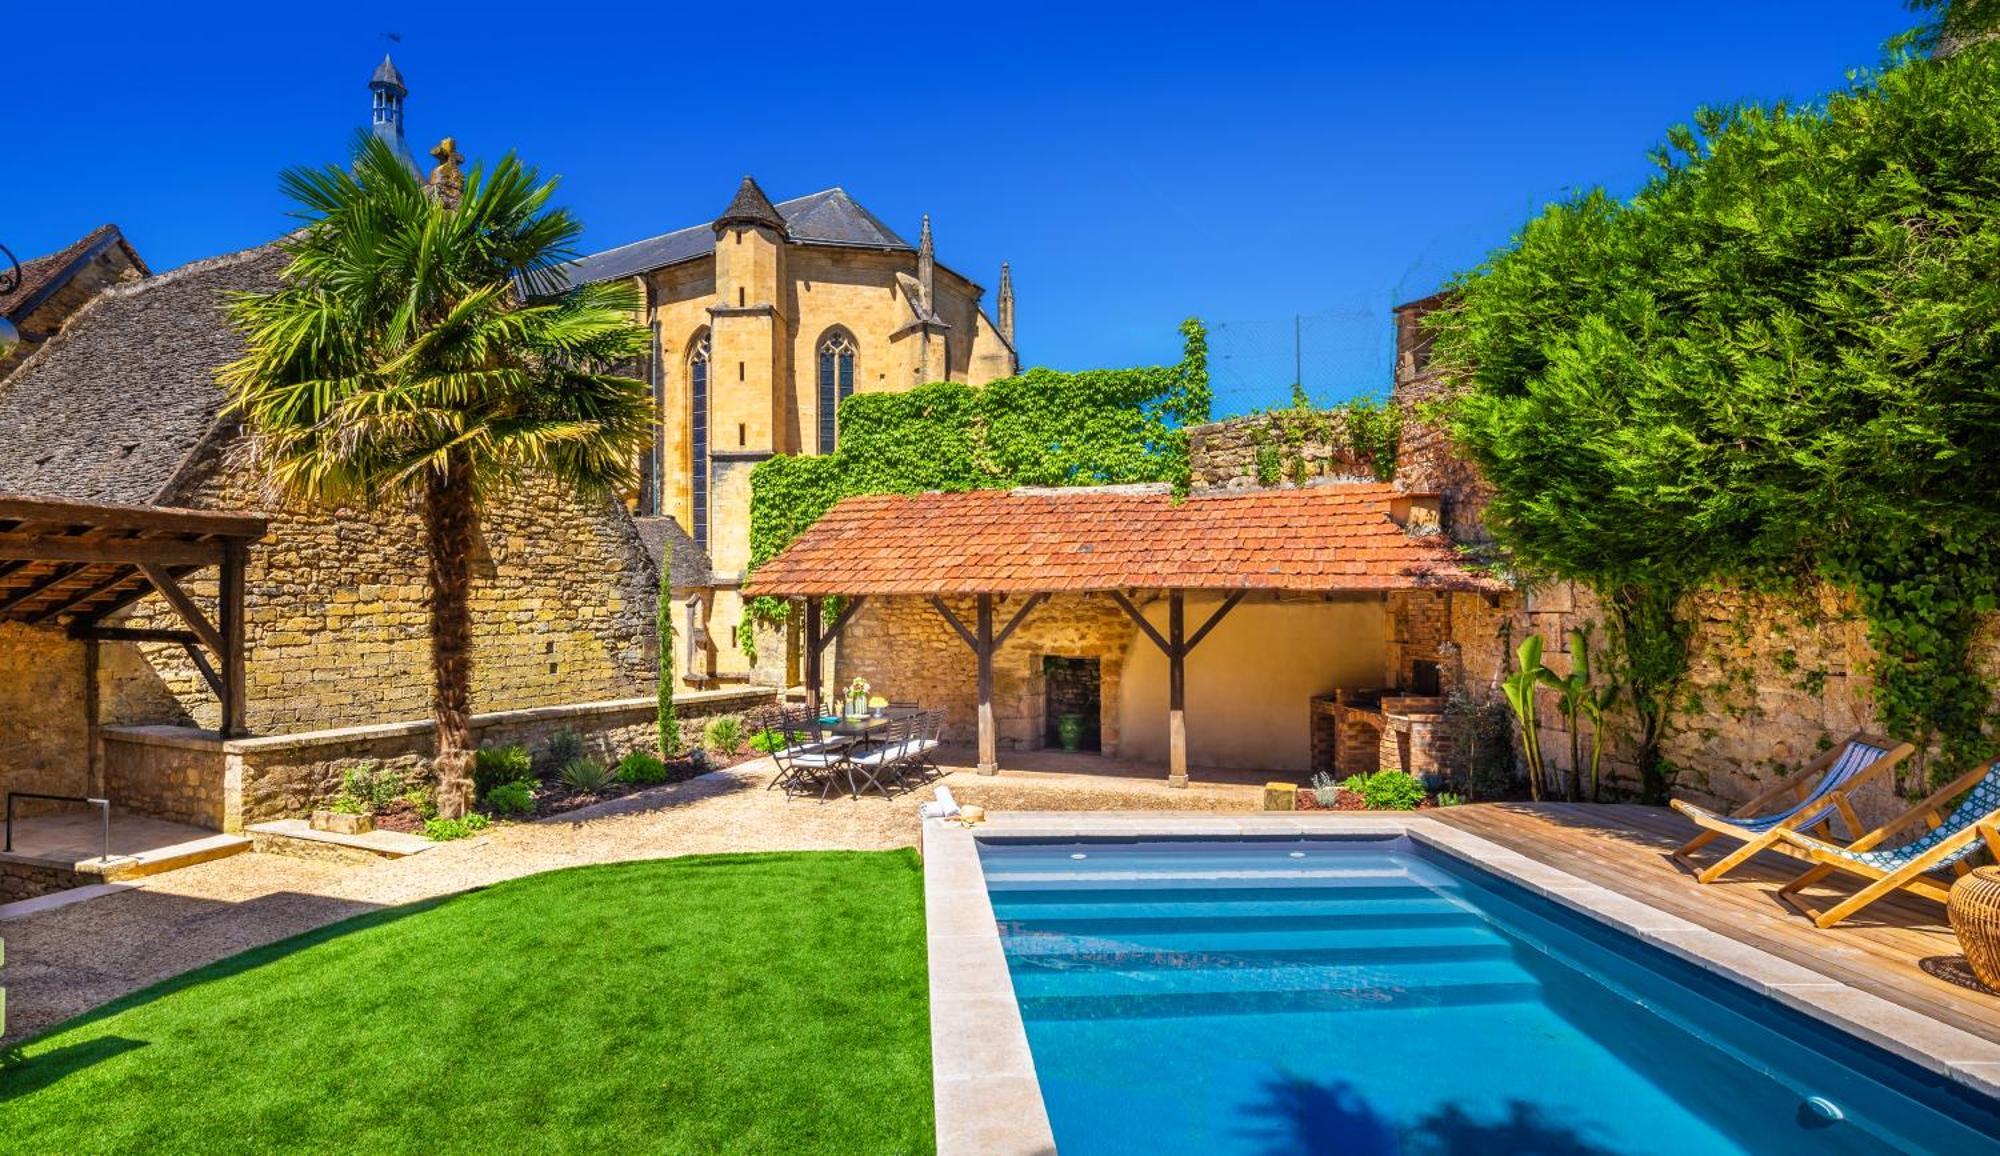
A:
[(118, 577), (984, 642), (149, 551), (816, 640)]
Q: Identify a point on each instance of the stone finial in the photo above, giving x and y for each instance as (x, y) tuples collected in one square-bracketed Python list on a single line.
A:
[(1006, 303), (927, 264), (448, 178)]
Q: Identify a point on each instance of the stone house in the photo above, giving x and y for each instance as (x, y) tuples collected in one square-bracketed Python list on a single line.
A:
[(763, 320), (123, 406), (53, 286)]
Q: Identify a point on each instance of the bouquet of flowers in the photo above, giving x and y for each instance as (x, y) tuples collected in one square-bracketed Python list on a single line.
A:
[(857, 698)]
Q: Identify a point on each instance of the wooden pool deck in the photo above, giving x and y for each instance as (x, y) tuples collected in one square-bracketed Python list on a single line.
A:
[(1901, 949)]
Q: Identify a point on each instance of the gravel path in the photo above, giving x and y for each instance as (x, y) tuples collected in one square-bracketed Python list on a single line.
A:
[(70, 959)]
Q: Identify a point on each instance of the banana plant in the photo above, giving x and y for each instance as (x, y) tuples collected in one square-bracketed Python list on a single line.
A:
[(1519, 687), (1595, 707), (1573, 696)]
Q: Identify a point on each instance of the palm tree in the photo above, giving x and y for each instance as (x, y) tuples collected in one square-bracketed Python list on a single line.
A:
[(426, 348)]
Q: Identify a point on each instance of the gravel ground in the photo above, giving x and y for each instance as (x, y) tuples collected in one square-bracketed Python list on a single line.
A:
[(67, 960)]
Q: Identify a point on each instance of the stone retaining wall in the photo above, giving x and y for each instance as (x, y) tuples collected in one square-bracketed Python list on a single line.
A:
[(196, 777)]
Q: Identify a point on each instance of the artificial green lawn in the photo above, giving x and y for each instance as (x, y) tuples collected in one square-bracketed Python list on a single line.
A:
[(727, 1003)]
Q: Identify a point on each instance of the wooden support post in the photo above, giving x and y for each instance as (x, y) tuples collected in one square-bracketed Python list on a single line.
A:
[(229, 599), (989, 742), (93, 770), (812, 656), (1177, 771)]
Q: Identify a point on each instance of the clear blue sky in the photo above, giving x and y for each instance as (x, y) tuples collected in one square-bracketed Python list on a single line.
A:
[(1137, 164)]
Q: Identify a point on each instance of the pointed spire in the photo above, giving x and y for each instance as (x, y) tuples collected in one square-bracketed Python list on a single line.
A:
[(387, 76), (1006, 303), (927, 264), (751, 207)]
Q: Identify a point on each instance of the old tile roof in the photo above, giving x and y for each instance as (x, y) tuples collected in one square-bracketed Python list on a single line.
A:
[(824, 218), (1323, 538), (42, 275), (112, 407), (675, 553)]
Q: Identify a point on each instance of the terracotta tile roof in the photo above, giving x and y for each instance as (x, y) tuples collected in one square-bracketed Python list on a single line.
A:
[(1323, 538)]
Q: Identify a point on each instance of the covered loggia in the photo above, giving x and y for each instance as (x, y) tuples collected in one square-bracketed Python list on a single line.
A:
[(986, 562)]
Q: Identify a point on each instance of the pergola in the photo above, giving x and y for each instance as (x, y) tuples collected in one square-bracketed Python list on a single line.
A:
[(77, 563), (1123, 542)]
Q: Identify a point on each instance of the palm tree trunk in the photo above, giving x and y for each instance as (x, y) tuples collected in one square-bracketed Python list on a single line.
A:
[(449, 527)]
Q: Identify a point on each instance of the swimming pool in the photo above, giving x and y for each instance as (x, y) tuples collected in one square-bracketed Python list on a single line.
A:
[(1371, 995)]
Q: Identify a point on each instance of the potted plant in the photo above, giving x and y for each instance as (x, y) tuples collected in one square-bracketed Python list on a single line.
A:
[(1069, 731)]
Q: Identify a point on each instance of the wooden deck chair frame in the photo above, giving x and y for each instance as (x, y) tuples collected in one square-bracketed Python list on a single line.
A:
[(1913, 876), (1795, 788)]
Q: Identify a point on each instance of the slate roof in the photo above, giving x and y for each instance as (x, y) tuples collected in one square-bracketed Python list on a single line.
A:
[(675, 553), (111, 407), (42, 275), (386, 73), (824, 218), (1323, 538)]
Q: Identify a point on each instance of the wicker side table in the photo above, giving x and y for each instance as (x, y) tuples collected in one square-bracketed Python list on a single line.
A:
[(1975, 915)]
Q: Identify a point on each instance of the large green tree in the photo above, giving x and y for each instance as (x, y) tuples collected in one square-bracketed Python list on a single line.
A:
[(1779, 361), (425, 348)]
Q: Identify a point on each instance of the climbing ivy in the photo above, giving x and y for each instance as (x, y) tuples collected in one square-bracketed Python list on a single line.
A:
[(1041, 428), (1775, 363), (1363, 434)]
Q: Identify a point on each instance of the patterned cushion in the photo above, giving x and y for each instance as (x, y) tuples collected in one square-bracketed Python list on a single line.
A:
[(1980, 803)]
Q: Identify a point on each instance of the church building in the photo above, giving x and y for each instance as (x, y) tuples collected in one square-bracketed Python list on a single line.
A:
[(763, 320)]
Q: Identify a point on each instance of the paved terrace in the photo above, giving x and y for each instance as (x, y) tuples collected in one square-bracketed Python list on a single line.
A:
[(69, 959)]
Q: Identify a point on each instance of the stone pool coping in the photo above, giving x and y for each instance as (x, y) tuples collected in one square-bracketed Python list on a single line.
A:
[(989, 1101)]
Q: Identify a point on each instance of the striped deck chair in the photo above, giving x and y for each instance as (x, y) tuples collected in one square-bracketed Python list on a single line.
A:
[(1809, 799), (1949, 843)]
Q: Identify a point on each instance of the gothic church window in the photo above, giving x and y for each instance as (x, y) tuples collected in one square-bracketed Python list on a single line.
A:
[(836, 382), (698, 435)]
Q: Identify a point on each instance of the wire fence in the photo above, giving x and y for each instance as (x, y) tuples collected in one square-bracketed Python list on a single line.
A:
[(1333, 356)]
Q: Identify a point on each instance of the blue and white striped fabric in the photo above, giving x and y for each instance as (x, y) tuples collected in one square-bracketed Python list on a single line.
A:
[(1981, 803), (1817, 806)]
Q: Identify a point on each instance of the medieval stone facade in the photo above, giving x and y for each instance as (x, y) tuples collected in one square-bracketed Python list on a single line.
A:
[(763, 321)]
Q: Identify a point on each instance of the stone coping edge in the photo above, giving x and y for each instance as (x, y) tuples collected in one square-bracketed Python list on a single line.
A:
[(196, 739), (987, 1098), (1930, 1044)]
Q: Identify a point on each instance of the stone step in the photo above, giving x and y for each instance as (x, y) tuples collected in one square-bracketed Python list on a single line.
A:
[(296, 837)]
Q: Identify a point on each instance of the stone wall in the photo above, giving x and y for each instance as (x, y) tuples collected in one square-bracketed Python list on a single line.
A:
[(338, 634), (1245, 453), (907, 651), (42, 697), (199, 778)]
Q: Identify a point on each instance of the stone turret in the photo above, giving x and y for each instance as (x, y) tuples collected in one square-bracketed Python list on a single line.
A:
[(750, 362)]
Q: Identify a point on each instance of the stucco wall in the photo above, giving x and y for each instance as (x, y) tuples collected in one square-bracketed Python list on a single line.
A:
[(1250, 682), (338, 634)]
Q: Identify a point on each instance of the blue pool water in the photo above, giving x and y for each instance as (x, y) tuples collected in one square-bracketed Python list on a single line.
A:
[(1370, 996)]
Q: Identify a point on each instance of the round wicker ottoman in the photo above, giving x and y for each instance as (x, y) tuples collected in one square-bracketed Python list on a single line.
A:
[(1975, 916)]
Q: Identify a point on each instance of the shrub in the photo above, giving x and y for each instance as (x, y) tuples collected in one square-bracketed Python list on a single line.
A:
[(366, 789), (445, 830), (346, 804), (1325, 791), (493, 766), (585, 775), (1387, 790), (767, 741), (424, 801), (564, 747), (515, 798), (641, 769), (1449, 799), (723, 735)]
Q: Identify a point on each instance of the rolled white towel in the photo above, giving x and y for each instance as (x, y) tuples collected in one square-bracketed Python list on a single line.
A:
[(945, 807)]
